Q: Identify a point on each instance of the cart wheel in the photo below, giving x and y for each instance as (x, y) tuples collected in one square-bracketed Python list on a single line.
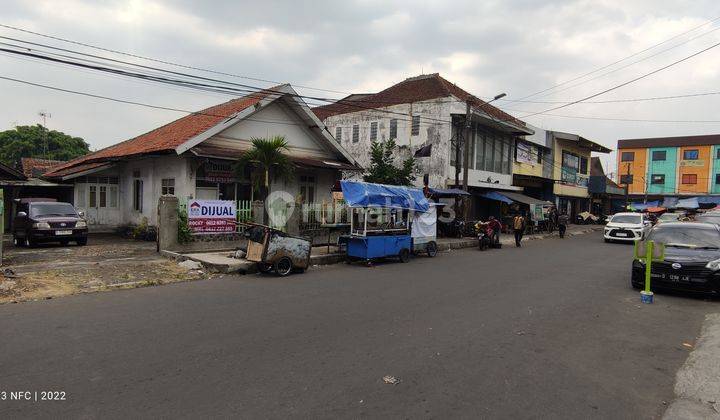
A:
[(404, 255), (264, 267), (283, 266), (431, 249)]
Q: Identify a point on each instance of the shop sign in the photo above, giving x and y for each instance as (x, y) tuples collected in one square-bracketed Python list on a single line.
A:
[(212, 216)]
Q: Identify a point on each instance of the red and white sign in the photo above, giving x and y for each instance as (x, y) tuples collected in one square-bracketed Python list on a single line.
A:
[(211, 216)]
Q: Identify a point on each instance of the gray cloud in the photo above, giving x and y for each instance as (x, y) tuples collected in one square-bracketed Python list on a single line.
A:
[(517, 47)]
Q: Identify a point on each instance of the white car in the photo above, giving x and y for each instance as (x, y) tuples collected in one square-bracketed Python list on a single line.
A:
[(626, 227)]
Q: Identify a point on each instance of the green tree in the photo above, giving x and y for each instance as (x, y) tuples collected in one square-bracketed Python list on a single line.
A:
[(382, 167), (267, 159), (36, 141)]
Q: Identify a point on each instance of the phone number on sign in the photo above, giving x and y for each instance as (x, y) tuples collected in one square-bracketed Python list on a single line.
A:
[(33, 396)]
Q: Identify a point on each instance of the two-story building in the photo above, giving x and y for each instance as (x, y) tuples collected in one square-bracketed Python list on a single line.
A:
[(655, 168), (429, 112)]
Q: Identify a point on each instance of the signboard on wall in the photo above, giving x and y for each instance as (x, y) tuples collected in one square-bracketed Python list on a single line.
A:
[(211, 216), (697, 162), (220, 171), (526, 153)]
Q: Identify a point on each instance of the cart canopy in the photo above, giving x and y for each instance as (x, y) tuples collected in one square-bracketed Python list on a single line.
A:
[(365, 194)]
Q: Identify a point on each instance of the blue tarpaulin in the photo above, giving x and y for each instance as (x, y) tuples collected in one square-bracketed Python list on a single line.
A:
[(642, 206), (709, 199), (447, 192), (669, 202), (688, 203), (493, 195), (365, 194)]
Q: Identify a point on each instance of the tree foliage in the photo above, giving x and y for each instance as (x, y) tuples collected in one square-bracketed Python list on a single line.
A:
[(37, 142), (267, 159), (382, 165)]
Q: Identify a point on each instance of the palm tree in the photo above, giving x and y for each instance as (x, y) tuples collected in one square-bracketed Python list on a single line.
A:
[(266, 158)]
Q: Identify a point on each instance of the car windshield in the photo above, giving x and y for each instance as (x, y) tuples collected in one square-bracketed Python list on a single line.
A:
[(686, 236), (52, 209), (627, 218), (669, 216), (708, 218)]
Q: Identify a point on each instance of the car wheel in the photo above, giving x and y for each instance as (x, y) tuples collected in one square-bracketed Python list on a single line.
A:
[(82, 242), (404, 255), (607, 241), (431, 249), (283, 266), (264, 267)]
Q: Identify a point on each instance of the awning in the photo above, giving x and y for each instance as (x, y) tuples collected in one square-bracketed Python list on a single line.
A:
[(688, 203), (640, 206), (365, 194), (669, 202), (522, 198), (447, 192), (709, 199), (494, 195)]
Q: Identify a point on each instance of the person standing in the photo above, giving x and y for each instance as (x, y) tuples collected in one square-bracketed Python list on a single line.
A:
[(563, 220), (518, 228)]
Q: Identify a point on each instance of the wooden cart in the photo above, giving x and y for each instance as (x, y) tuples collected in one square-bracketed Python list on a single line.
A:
[(274, 250)]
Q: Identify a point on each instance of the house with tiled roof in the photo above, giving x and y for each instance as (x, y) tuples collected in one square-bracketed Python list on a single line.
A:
[(193, 158), (428, 112), (36, 167)]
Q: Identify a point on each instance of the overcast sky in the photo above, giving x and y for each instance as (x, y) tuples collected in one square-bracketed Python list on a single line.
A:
[(514, 46)]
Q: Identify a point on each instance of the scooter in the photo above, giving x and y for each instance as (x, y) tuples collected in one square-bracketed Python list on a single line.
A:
[(485, 236)]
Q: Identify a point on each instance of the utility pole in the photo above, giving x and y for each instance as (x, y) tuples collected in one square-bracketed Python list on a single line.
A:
[(466, 155), (44, 115), (627, 186)]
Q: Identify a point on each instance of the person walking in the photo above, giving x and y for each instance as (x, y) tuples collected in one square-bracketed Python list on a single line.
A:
[(563, 220), (518, 228)]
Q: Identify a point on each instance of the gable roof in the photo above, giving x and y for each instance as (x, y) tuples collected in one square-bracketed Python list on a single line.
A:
[(414, 89), (34, 167), (169, 136), (187, 132)]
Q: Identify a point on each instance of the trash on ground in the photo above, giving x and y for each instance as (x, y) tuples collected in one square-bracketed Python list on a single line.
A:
[(688, 345), (239, 254), (8, 273), (391, 380)]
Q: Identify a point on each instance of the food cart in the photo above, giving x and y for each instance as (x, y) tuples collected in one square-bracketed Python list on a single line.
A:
[(380, 221), (275, 250)]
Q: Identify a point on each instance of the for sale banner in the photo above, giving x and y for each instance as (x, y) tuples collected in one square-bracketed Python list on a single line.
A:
[(211, 216)]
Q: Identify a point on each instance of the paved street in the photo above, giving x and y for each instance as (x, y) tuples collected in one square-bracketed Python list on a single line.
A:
[(550, 330)]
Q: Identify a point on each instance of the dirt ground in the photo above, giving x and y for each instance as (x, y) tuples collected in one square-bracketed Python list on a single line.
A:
[(107, 262)]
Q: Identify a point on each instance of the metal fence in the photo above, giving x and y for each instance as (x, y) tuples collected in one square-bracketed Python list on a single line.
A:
[(316, 215)]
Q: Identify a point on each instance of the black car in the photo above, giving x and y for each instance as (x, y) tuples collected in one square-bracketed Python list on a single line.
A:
[(692, 258), (48, 221)]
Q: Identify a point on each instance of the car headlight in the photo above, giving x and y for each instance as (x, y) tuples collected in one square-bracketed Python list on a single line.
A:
[(713, 265), (639, 264), (81, 224), (41, 225)]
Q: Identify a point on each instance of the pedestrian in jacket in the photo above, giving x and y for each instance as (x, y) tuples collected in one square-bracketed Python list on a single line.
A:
[(518, 228), (563, 220)]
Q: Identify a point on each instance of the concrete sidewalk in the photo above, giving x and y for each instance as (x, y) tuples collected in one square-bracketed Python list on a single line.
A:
[(224, 262)]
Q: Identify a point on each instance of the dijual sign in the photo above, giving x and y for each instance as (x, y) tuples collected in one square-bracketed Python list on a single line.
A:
[(211, 216)]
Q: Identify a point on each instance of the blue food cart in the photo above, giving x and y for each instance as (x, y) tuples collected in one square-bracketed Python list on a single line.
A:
[(380, 221)]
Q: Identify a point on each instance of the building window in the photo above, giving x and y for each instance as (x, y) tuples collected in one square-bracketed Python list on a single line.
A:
[(717, 179), (659, 155), (373, 131), (113, 195), (338, 134), (92, 196), (657, 179), (583, 165), (626, 179), (167, 186), (393, 128), (689, 179), (356, 133), (138, 195), (627, 156), (717, 153), (570, 167), (691, 154), (103, 196), (415, 125), (307, 188)]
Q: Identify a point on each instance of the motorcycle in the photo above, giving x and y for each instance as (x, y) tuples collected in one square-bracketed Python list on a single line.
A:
[(486, 236)]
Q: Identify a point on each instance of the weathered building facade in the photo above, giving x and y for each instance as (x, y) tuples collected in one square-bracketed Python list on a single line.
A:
[(429, 112)]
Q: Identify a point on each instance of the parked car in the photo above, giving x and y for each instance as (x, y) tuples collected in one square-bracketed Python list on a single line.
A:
[(709, 217), (670, 217), (692, 258), (626, 227), (48, 221)]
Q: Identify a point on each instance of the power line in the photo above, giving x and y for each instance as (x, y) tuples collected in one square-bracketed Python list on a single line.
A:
[(622, 59), (57, 38), (625, 83), (612, 101)]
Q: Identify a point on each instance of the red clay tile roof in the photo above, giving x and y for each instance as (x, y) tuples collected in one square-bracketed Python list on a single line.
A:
[(33, 167), (80, 167), (414, 89), (169, 136)]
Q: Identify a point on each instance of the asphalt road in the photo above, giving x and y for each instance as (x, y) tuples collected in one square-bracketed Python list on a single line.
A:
[(550, 330)]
